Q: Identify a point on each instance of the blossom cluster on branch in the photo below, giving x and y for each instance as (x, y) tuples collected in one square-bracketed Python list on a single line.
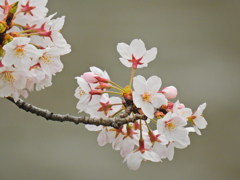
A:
[(167, 125), (30, 49)]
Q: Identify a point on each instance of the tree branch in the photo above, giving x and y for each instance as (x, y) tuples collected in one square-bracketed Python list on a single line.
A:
[(48, 115)]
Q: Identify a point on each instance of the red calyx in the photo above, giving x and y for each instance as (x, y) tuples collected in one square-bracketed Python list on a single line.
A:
[(95, 92), (141, 146), (27, 9), (153, 137), (102, 79), (135, 62), (6, 7), (105, 107)]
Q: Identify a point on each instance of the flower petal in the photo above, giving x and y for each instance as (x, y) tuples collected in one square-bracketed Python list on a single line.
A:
[(154, 83), (124, 50), (150, 55), (138, 48)]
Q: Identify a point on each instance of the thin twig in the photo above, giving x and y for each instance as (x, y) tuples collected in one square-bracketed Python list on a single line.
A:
[(116, 122)]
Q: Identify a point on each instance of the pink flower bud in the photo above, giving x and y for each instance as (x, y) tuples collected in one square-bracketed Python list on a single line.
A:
[(170, 92), (181, 106), (90, 77)]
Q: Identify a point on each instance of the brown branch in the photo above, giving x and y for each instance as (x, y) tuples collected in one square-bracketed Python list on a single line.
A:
[(48, 115)]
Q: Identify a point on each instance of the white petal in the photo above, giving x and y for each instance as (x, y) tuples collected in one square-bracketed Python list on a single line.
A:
[(154, 83), (200, 122), (125, 62), (137, 99), (158, 100), (93, 127), (148, 109), (102, 138), (139, 84), (138, 48), (150, 55), (134, 160), (124, 50), (151, 156), (170, 151), (181, 136)]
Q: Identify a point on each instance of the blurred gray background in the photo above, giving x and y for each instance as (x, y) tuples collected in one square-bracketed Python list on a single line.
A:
[(199, 52)]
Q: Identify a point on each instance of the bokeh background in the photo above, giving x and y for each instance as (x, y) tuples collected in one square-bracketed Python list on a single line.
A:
[(199, 52)]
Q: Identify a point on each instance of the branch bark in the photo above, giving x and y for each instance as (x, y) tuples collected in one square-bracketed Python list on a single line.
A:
[(48, 115)]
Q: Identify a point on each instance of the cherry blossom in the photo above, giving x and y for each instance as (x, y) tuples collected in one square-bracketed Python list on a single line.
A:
[(20, 53), (135, 55), (146, 96), (199, 122)]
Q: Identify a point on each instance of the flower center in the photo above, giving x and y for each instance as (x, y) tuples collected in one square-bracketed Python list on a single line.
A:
[(170, 125), (19, 51), (81, 92), (8, 77), (46, 59), (146, 97)]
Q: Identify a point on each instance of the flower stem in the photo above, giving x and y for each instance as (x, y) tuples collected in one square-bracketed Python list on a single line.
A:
[(115, 84), (141, 137), (132, 75), (149, 129), (31, 34), (153, 120), (26, 31), (114, 87), (112, 92)]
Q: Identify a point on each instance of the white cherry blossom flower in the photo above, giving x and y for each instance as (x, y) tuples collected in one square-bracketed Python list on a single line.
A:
[(172, 127), (50, 61), (30, 11), (20, 53), (12, 82), (199, 122), (182, 112), (146, 96), (135, 55), (84, 95), (135, 158)]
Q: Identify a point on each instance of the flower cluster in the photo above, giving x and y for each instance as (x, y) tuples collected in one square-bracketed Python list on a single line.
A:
[(166, 125), (30, 47)]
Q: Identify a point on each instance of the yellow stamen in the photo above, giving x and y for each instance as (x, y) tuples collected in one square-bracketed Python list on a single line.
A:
[(81, 91), (170, 125), (146, 97), (19, 51), (46, 59), (8, 77)]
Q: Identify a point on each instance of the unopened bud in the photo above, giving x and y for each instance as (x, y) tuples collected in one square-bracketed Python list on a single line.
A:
[(170, 92), (89, 77), (181, 106)]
